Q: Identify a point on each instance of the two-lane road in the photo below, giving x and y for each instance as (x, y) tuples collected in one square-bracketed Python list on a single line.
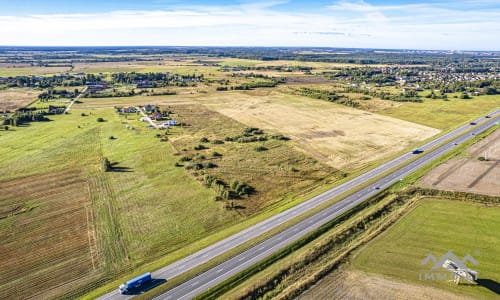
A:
[(224, 271)]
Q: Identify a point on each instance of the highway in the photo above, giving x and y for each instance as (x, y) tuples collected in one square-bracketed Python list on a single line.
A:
[(256, 253)]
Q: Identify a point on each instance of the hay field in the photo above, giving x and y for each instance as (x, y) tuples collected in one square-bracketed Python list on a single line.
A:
[(12, 99), (343, 137), (48, 245)]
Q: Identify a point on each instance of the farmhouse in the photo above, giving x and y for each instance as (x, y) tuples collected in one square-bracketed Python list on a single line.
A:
[(96, 87), (129, 109), (156, 115), (150, 107)]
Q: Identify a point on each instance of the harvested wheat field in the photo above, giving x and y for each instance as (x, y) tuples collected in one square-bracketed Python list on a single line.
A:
[(478, 173), (12, 99), (352, 284), (47, 241), (345, 138)]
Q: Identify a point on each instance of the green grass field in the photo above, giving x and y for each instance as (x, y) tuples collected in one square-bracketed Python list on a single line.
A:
[(143, 210), (444, 114), (437, 226)]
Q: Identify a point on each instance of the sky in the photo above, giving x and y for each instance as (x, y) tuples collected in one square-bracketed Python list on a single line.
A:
[(386, 24)]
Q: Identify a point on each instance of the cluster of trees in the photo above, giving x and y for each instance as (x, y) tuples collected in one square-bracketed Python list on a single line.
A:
[(368, 75), (156, 79), (21, 117), (262, 83), (53, 94), (407, 96), (235, 190), (52, 81), (254, 134), (327, 95)]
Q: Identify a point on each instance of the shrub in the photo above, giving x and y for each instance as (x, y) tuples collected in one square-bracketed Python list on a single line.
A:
[(199, 157), (203, 140), (216, 154), (199, 147), (112, 137), (260, 148), (185, 158), (100, 119), (228, 139), (280, 137), (217, 142), (194, 166), (209, 165)]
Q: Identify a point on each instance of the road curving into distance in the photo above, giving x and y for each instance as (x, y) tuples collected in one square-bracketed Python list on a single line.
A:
[(254, 254)]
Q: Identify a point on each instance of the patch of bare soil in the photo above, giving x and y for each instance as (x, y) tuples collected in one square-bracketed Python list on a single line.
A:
[(350, 284), (478, 173)]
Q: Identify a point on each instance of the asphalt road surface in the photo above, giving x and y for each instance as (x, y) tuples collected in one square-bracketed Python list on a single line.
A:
[(221, 272)]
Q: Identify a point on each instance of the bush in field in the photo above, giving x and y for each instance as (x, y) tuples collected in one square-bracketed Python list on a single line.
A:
[(200, 147), (203, 140), (217, 142), (216, 154), (280, 137), (100, 119), (260, 148)]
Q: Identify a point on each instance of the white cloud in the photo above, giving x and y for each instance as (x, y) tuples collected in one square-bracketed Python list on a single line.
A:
[(422, 26)]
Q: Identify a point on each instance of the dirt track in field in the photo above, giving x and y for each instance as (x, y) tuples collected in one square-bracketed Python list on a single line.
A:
[(470, 174)]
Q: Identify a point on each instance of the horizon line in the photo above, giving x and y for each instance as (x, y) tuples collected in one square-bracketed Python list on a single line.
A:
[(239, 46)]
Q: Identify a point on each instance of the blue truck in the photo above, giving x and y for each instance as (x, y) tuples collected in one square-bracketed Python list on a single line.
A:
[(135, 283)]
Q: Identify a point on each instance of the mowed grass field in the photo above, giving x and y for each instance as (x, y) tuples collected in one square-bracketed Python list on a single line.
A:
[(437, 226), (444, 115), (98, 224)]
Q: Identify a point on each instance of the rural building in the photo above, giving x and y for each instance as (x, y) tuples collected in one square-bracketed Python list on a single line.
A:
[(129, 109), (156, 115), (150, 107), (169, 123)]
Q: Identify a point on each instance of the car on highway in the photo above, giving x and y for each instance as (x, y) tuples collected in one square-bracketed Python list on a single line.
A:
[(488, 116), (417, 151), (473, 123)]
